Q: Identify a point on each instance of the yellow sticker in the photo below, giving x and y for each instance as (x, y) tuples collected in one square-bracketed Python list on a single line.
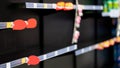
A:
[(45, 6), (9, 25), (23, 60)]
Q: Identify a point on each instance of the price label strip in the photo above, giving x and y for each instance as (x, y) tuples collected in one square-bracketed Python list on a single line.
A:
[(104, 44), (19, 24), (58, 52), (98, 46), (85, 50), (12, 63), (31, 5), (42, 57)]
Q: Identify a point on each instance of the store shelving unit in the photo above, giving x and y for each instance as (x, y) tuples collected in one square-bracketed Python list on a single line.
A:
[(73, 49)]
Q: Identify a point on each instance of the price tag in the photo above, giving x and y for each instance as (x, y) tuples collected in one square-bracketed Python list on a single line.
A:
[(114, 13)]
